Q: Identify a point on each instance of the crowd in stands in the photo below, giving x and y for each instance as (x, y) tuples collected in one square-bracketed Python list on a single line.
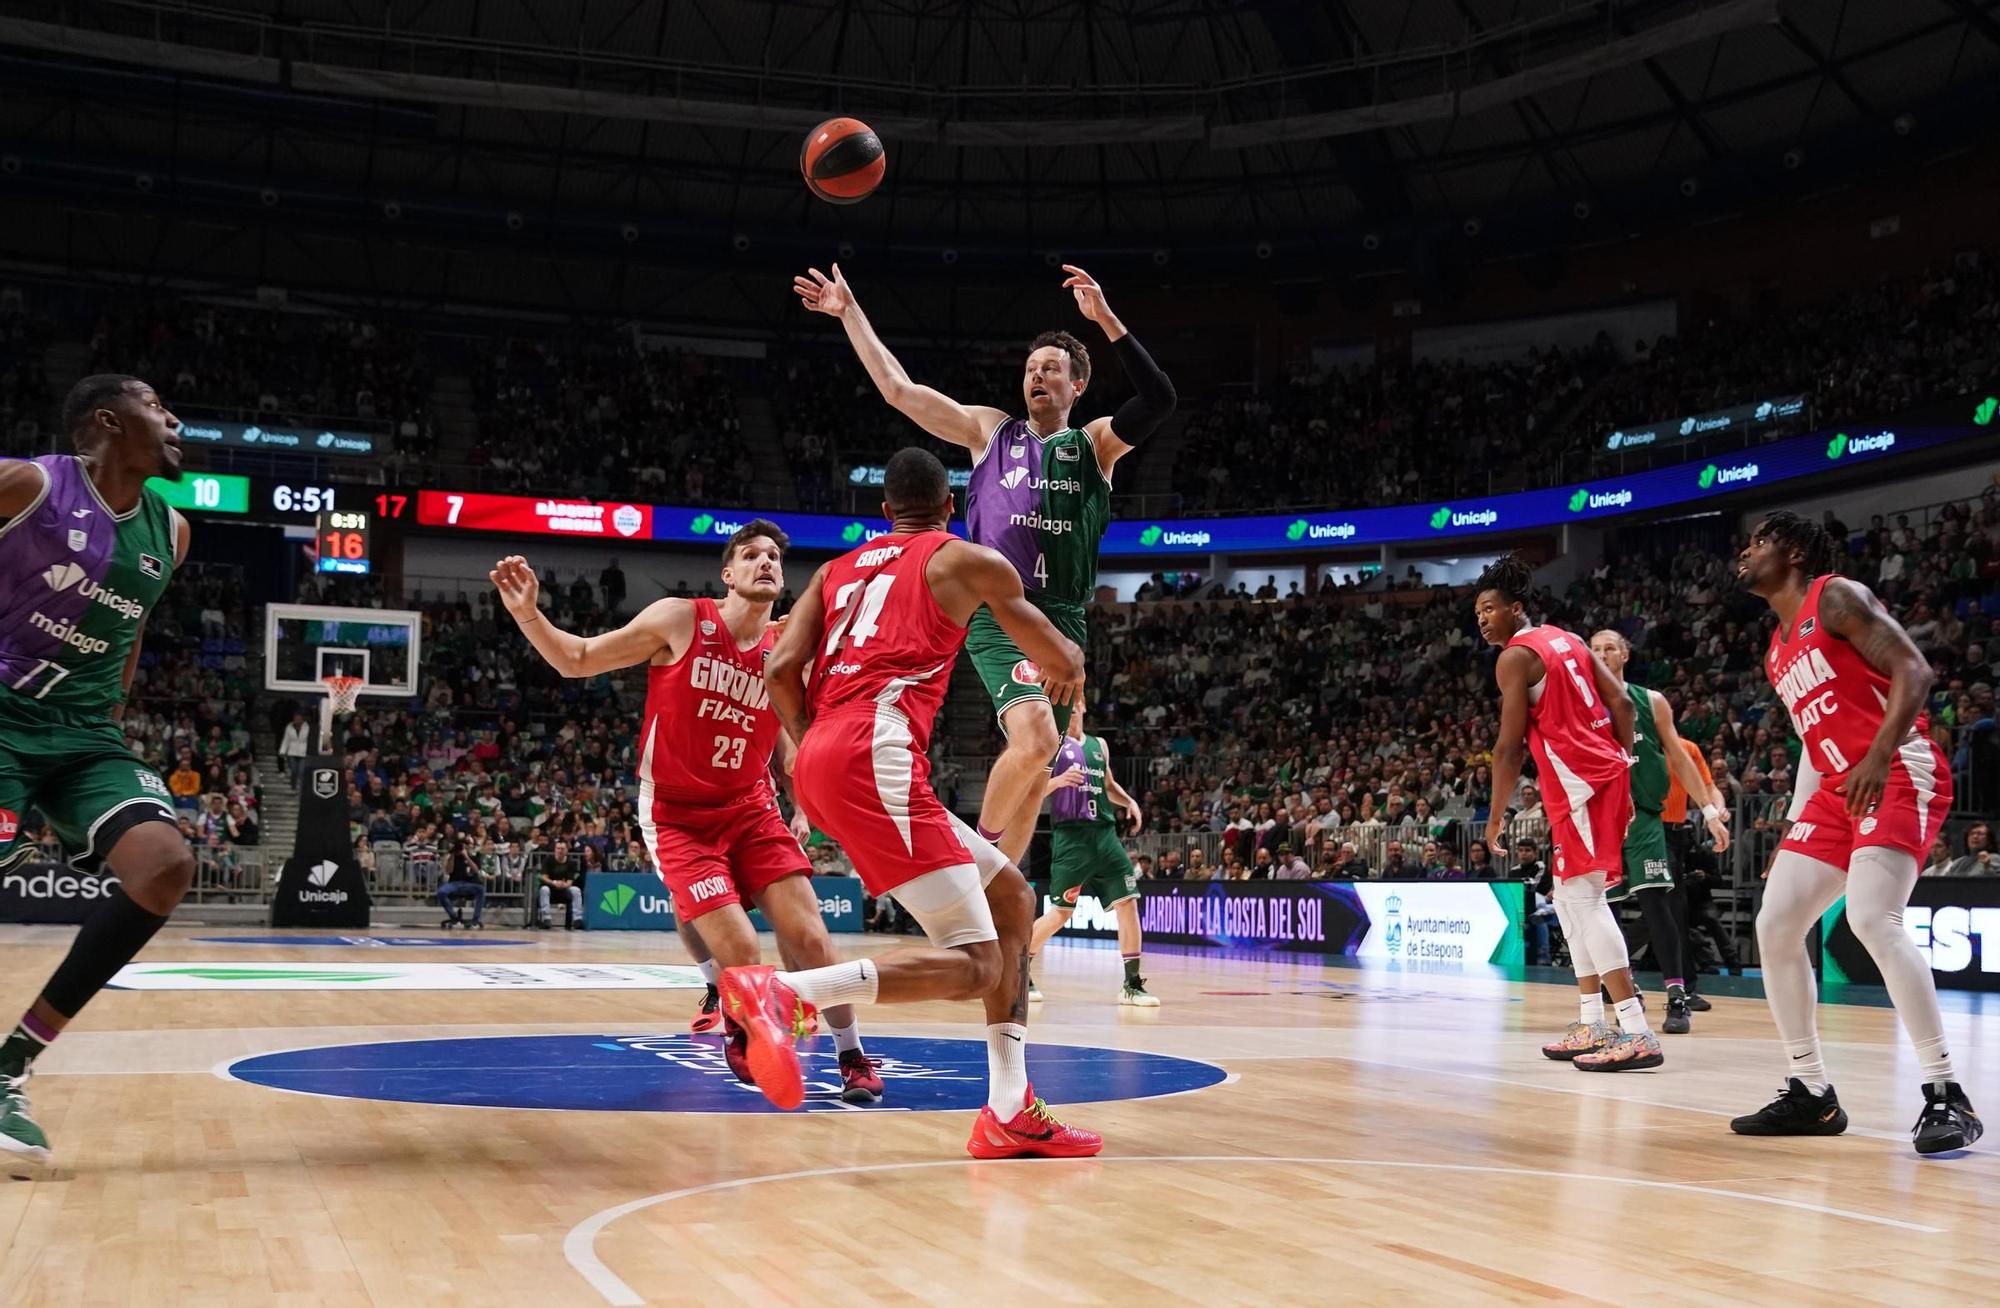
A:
[(609, 421), (1866, 354), (286, 365)]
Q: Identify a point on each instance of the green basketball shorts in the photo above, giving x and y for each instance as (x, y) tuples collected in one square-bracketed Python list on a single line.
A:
[(1087, 858), (1009, 675), (78, 773)]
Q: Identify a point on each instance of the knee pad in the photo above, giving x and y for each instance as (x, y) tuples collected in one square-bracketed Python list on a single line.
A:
[(950, 905)]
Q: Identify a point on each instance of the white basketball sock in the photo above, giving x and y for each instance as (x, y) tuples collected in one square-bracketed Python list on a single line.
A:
[(829, 987), (1591, 1007), (846, 1039), (1006, 1069), (1802, 1060), (711, 970), (1632, 1016)]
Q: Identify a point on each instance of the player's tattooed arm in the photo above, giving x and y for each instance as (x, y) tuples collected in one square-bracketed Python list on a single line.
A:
[(1851, 611), (969, 425), (791, 659)]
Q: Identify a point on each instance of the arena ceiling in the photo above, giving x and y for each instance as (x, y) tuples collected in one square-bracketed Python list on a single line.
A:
[(1167, 128)]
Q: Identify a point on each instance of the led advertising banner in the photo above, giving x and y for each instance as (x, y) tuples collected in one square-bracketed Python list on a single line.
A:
[(1736, 418), (1680, 485), (1435, 923), (1954, 922), (301, 440)]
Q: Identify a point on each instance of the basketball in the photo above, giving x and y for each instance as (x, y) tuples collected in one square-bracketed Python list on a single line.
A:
[(842, 161)]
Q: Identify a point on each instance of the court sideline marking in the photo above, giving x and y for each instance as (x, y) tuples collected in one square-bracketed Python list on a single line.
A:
[(580, 1245)]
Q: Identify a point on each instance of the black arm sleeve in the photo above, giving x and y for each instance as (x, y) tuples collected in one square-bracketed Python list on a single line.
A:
[(1153, 395)]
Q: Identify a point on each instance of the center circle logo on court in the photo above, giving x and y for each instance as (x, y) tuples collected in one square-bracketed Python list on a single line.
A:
[(681, 1073)]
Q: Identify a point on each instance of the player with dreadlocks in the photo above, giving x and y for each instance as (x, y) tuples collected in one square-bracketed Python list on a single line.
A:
[(1872, 792), (1558, 700)]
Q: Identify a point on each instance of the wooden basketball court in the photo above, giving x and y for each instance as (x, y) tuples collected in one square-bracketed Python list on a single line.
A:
[(1350, 1137)]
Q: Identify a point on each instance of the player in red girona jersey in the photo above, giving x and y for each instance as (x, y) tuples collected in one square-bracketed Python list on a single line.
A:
[(857, 679), (1872, 792), (1558, 700), (706, 804)]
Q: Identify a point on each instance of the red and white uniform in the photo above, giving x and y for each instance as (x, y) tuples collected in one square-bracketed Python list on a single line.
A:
[(863, 771), (705, 798), (1586, 778), (1836, 699)]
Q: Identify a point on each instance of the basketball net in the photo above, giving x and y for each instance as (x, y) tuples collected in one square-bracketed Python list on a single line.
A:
[(341, 694)]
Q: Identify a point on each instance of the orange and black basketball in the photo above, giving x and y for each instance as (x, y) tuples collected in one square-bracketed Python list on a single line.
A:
[(843, 161)]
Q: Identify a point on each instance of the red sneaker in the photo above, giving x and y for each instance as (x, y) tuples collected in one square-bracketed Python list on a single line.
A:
[(773, 1017), (859, 1082), (709, 1015), (1034, 1133)]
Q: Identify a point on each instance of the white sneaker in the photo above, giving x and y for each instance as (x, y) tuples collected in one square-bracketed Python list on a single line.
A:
[(1034, 992), (1136, 995)]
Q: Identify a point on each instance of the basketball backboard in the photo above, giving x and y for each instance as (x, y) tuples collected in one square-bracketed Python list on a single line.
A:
[(304, 643)]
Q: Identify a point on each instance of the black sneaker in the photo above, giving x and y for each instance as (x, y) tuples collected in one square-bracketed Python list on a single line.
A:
[(1677, 1022), (1948, 1121), (1698, 1004), (1796, 1111), (447, 924)]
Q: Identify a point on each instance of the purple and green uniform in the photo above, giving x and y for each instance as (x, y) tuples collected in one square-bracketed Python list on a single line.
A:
[(1085, 854), (76, 584), (1043, 502)]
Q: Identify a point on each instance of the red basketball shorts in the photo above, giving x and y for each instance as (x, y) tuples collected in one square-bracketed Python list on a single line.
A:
[(1591, 836), (712, 857), (1914, 801), (862, 781)]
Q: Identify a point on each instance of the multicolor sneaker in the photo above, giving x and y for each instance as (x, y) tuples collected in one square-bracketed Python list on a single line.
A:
[(1033, 1133), (1634, 1052), (1796, 1111), (1136, 995), (709, 1015), (773, 1018), (860, 1083), (1948, 1121), (1580, 1038), (22, 1145)]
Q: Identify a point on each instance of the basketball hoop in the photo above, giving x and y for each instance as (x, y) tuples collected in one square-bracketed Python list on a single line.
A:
[(341, 694)]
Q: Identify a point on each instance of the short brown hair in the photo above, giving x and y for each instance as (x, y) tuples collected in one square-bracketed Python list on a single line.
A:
[(1079, 358), (750, 531)]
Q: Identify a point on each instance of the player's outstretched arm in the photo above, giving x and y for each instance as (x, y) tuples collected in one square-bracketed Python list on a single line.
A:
[(1699, 788), (1850, 611), (21, 484), (1510, 745), (1153, 397), (664, 624), (791, 659), (934, 411), (984, 576)]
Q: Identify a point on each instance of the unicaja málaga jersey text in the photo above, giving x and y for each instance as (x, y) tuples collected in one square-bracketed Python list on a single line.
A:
[(1091, 801), (1043, 502), (76, 584)]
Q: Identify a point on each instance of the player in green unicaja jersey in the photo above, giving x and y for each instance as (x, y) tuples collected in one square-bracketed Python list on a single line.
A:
[(86, 549), (1040, 495), (1649, 878), (1087, 858)]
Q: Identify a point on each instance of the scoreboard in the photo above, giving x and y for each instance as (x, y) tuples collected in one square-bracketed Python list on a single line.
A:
[(341, 539)]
